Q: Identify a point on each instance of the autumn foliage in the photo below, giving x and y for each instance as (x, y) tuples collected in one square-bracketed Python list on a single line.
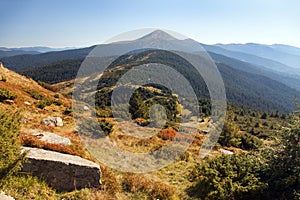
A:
[(167, 134), (31, 141)]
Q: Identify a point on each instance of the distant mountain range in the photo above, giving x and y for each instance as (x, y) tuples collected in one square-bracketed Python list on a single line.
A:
[(6, 52), (253, 76), (288, 55)]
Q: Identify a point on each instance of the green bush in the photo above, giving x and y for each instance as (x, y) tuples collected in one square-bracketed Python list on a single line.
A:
[(68, 111), (10, 144), (231, 137), (106, 127), (43, 103), (4, 79), (6, 95), (35, 94), (228, 177), (26, 187), (57, 102)]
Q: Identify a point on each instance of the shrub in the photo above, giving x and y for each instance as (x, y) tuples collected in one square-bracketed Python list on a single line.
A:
[(167, 134), (106, 127), (231, 137), (57, 102), (48, 86), (10, 146), (43, 103), (264, 116), (68, 111), (6, 95), (56, 96), (35, 94), (4, 79), (228, 177), (109, 181), (26, 187)]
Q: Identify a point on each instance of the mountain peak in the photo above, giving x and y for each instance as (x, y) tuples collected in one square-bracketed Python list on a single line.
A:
[(158, 35)]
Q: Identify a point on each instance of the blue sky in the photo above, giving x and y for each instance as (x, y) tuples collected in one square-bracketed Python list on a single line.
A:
[(60, 23)]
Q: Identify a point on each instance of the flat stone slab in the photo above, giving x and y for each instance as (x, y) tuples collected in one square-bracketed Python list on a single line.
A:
[(52, 138), (62, 171)]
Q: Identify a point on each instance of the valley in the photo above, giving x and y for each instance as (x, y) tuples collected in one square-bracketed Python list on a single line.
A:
[(255, 157)]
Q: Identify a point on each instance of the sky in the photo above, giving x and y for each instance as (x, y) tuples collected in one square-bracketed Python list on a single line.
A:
[(80, 23)]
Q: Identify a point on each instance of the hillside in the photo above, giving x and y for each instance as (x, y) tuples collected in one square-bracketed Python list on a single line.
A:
[(245, 131), (243, 88), (29, 97)]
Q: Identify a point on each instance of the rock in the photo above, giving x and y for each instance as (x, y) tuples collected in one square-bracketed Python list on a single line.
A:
[(52, 121), (62, 171), (59, 121), (27, 103), (85, 108), (8, 101), (205, 131), (226, 152), (52, 138), (3, 196)]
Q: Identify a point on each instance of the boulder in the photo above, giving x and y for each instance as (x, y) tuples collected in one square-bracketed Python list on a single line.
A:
[(61, 171), (3, 196), (52, 138), (52, 121)]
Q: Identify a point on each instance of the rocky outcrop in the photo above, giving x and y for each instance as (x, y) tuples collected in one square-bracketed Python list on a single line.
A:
[(62, 171), (52, 138), (52, 121)]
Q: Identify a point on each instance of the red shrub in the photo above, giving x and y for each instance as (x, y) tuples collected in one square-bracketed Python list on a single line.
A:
[(167, 134)]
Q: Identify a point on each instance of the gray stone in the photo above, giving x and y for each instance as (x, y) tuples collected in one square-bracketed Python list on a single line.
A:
[(52, 138), (62, 171), (52, 121)]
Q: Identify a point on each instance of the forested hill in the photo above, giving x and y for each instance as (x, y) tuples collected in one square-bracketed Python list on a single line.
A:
[(242, 88), (22, 62)]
